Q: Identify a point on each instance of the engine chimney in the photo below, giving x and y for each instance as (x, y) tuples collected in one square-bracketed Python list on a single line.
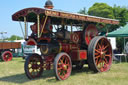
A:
[(49, 4)]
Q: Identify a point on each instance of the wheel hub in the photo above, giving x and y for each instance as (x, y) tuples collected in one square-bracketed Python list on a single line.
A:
[(7, 57), (64, 67), (35, 66), (103, 54)]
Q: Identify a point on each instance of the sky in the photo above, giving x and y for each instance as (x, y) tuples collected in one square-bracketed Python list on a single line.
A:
[(9, 7)]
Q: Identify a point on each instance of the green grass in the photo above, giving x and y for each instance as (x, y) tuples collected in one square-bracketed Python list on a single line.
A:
[(12, 73)]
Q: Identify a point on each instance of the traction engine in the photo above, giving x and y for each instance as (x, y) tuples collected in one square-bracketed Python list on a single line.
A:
[(62, 47)]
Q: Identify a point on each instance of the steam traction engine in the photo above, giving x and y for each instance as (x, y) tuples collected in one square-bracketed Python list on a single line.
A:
[(60, 45)]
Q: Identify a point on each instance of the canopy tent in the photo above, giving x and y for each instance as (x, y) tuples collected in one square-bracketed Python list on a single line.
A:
[(122, 32)]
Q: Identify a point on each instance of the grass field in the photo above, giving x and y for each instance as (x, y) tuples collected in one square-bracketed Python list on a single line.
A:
[(12, 73)]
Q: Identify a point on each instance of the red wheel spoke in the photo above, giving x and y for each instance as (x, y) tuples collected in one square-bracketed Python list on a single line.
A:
[(102, 47), (61, 61), (96, 61), (99, 62), (67, 64), (101, 42), (99, 45), (97, 50), (96, 53), (66, 60), (59, 65), (106, 61), (97, 56), (106, 65), (101, 69), (59, 68), (105, 51), (108, 55), (106, 46), (63, 73), (102, 63), (63, 58)]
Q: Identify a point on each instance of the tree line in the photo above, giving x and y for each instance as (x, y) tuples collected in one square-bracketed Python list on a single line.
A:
[(106, 11), (11, 38)]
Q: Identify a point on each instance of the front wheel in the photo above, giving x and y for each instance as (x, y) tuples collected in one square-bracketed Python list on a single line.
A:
[(62, 66), (33, 66), (99, 54)]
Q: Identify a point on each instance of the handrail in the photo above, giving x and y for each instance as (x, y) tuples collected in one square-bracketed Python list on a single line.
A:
[(43, 25)]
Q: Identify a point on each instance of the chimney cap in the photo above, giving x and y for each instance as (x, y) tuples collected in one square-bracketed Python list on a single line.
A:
[(48, 4)]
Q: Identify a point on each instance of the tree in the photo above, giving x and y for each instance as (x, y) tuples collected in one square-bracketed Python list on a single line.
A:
[(121, 13), (83, 11), (101, 10), (115, 12), (14, 37)]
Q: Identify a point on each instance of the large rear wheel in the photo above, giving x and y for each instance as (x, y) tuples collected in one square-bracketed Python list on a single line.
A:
[(33, 66), (62, 66), (99, 54)]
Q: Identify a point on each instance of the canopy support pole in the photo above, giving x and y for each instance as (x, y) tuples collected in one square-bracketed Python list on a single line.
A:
[(124, 44), (71, 28), (43, 25), (38, 25), (21, 28), (25, 24)]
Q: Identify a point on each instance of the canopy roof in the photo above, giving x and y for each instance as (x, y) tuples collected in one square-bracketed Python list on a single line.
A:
[(122, 32), (31, 14)]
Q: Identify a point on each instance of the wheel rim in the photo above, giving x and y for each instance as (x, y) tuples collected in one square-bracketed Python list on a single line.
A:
[(7, 56), (103, 55), (34, 67), (64, 67)]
